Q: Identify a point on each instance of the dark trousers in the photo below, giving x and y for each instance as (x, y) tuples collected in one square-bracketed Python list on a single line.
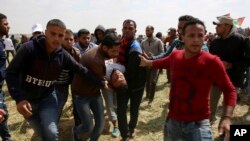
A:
[(152, 77), (123, 96), (4, 131), (62, 92)]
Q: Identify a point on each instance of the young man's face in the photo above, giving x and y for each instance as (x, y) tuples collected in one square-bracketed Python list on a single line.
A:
[(221, 29), (149, 32), (180, 26), (4, 27), (172, 33), (128, 30), (68, 41), (54, 37), (117, 79), (100, 34), (84, 40), (111, 52), (193, 38)]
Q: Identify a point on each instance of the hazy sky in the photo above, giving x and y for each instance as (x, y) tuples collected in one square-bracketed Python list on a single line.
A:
[(77, 14)]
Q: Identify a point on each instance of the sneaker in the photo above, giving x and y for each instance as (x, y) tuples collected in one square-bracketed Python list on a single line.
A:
[(75, 137), (115, 132)]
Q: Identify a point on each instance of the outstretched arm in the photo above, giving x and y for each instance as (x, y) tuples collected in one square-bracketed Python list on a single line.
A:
[(84, 72), (144, 62)]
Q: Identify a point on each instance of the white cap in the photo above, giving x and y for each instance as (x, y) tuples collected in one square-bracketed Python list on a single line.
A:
[(223, 20), (37, 28)]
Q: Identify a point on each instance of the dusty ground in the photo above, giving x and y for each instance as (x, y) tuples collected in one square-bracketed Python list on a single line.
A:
[(150, 125)]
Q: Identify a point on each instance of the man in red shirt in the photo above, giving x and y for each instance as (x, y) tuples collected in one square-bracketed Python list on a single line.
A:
[(193, 73), (171, 36)]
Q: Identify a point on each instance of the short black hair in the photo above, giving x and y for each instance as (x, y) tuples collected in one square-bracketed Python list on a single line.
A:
[(158, 35), (2, 16), (193, 22), (151, 27), (82, 32), (68, 31), (110, 39), (129, 21), (186, 18), (56, 22), (110, 30)]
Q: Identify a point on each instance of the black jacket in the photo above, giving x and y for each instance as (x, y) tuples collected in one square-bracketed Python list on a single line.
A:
[(32, 73), (134, 74), (234, 49)]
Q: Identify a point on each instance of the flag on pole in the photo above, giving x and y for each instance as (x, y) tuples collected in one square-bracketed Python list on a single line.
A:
[(238, 22)]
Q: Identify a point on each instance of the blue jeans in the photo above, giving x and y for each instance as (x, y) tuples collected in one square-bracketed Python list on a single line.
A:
[(62, 92), (110, 101), (4, 130), (84, 105), (44, 119), (187, 131), (152, 77)]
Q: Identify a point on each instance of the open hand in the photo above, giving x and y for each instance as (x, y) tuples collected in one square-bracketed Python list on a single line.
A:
[(144, 62), (224, 127)]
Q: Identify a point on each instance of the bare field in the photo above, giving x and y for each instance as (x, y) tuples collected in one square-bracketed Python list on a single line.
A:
[(150, 125)]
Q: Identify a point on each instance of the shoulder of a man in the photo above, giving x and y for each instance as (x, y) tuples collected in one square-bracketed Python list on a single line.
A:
[(89, 55), (92, 45), (238, 35), (135, 47), (2, 46), (29, 46), (144, 40), (76, 50)]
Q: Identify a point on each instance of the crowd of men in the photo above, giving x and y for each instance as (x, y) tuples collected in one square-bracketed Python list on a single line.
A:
[(116, 70)]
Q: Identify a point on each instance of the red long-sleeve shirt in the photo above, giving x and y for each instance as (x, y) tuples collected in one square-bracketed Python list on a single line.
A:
[(191, 80)]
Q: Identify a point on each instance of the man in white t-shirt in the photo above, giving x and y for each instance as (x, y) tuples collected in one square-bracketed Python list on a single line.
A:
[(9, 48)]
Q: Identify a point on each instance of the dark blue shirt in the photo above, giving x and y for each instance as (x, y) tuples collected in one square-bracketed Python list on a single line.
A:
[(2, 62), (2, 70), (32, 73)]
